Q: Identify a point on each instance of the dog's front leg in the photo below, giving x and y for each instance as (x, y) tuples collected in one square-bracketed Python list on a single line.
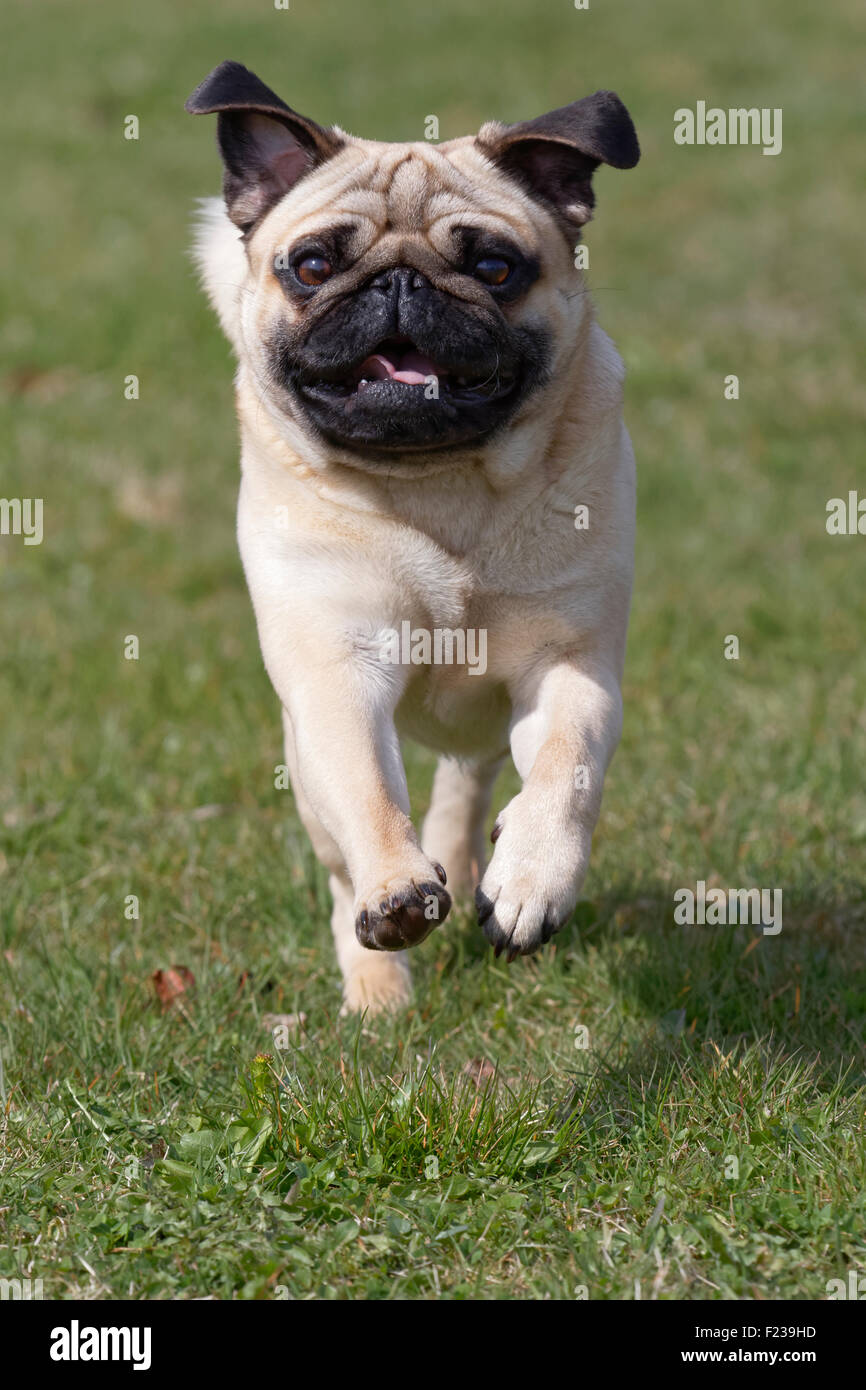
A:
[(340, 704), (566, 725)]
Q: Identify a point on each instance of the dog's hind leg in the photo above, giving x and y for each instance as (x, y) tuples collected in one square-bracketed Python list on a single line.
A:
[(372, 980), (453, 832)]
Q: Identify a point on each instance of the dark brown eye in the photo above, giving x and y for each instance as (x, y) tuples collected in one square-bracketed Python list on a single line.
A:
[(313, 270), (493, 270)]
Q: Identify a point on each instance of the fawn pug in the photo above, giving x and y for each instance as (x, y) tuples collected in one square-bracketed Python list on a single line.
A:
[(431, 442)]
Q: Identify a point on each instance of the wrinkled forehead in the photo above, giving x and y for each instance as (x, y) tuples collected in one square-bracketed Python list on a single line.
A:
[(386, 195)]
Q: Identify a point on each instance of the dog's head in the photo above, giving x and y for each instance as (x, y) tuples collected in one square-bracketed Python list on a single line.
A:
[(406, 299)]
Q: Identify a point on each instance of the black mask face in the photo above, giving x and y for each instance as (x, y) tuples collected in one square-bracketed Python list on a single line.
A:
[(398, 364)]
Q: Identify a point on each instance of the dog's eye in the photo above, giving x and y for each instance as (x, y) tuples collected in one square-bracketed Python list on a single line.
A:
[(493, 270), (313, 270)]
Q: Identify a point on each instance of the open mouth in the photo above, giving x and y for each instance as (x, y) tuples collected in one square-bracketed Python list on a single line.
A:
[(397, 365)]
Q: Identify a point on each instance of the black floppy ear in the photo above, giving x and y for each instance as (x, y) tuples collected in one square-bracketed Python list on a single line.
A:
[(265, 145), (555, 156)]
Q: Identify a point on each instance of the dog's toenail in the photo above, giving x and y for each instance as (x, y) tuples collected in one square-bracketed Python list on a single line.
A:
[(440, 872)]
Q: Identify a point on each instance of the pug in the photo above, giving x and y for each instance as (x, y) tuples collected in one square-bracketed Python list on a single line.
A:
[(435, 469)]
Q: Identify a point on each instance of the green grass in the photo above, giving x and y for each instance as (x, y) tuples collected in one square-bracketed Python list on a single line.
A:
[(142, 1157)]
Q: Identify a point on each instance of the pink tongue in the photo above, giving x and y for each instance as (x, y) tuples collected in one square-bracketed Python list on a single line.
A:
[(414, 368)]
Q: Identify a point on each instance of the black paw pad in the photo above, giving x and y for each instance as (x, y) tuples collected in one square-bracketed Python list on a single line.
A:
[(403, 919)]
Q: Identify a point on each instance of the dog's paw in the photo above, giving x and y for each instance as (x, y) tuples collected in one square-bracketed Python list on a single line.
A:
[(531, 885), (402, 911), (378, 984)]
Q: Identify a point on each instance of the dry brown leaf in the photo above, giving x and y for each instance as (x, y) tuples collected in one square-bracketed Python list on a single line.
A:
[(171, 984)]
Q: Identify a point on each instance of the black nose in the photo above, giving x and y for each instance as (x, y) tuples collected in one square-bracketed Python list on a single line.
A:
[(399, 281)]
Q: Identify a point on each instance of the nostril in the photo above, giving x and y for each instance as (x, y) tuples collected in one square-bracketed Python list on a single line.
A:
[(406, 279)]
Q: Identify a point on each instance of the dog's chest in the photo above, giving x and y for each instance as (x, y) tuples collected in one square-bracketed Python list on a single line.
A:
[(453, 698), (469, 624), (459, 709)]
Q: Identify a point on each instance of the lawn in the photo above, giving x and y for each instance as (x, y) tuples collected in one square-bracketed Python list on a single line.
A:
[(645, 1110)]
